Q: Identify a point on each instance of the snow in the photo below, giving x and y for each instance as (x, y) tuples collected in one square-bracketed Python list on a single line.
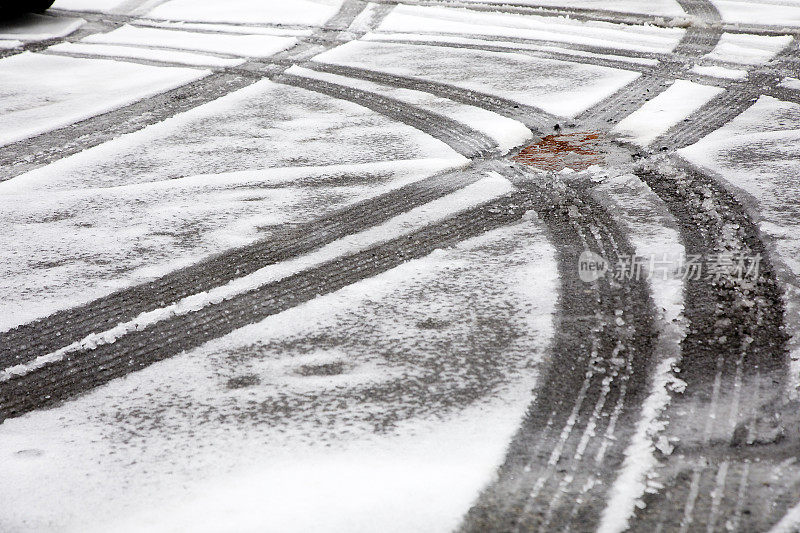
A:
[(102, 6), (415, 19), (791, 83), (402, 439), (407, 37), (35, 27), (226, 28), (42, 92), (70, 247), (748, 49), (169, 56), (238, 45), (719, 72), (656, 116), (781, 13), (559, 87), (664, 8), (435, 211), (308, 12), (6, 44), (508, 133), (654, 233), (757, 154), (203, 181)]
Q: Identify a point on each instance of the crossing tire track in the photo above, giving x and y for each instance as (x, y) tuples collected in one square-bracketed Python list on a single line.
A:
[(532, 117), (28, 341), (83, 370), (461, 138)]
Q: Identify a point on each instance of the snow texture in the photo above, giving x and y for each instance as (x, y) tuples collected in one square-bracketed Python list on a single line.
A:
[(149, 202), (758, 153), (747, 49), (781, 13), (560, 87), (471, 196), (40, 92), (664, 8), (654, 234), (415, 19), (349, 413), (508, 133), (301, 12), (720, 72), (233, 44), (148, 54), (656, 116)]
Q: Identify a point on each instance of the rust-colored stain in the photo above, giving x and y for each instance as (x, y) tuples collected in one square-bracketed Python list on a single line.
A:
[(577, 151)]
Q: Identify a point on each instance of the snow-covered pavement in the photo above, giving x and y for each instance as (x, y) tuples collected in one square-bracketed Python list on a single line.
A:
[(340, 265)]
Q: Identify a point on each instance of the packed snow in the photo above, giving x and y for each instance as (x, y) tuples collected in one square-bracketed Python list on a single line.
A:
[(758, 154), (442, 20), (791, 83), (559, 87), (233, 44), (300, 12), (375, 408), (656, 116), (41, 92)]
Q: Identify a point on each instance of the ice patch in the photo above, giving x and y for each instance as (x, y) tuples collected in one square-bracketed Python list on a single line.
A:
[(658, 115), (42, 92)]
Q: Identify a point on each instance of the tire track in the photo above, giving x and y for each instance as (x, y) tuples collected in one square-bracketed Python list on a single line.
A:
[(28, 341), (533, 118), (733, 102), (86, 369), (34, 152), (733, 348), (562, 461), (466, 141)]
